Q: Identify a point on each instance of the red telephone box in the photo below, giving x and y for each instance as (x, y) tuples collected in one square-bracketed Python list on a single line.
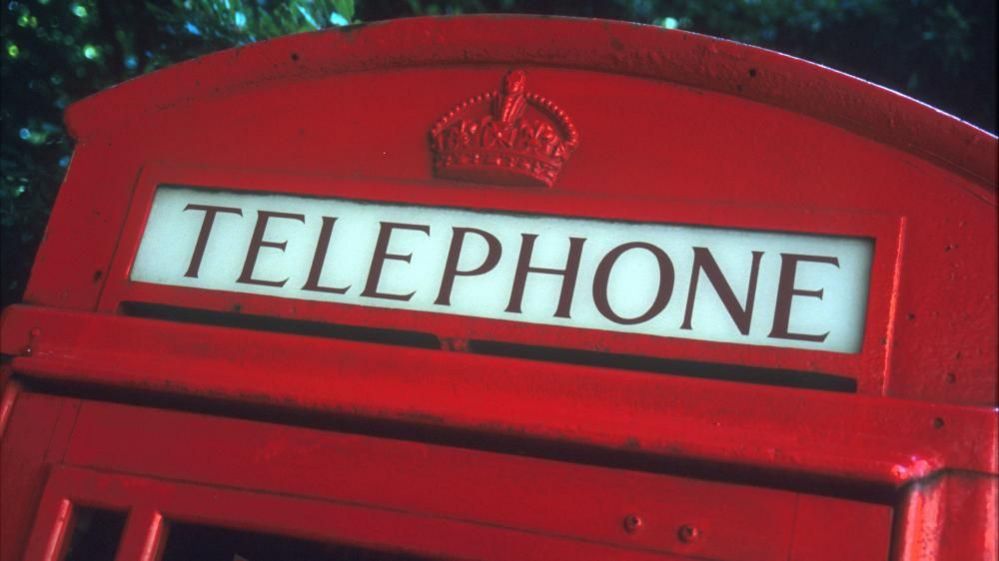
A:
[(508, 288)]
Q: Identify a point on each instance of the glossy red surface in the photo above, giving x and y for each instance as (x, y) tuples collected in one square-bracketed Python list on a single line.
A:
[(316, 484), (470, 455)]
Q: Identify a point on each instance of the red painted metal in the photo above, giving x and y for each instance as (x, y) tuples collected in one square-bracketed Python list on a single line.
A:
[(708, 147), (36, 438), (885, 440), (665, 127), (532, 151), (575, 507)]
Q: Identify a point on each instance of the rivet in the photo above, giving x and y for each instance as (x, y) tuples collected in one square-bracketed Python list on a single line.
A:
[(632, 523), (688, 533), (938, 423), (27, 350)]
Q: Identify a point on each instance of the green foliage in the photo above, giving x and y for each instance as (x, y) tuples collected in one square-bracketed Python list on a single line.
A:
[(58, 51), (237, 22)]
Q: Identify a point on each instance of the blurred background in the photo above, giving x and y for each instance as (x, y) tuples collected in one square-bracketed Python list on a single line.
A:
[(58, 51)]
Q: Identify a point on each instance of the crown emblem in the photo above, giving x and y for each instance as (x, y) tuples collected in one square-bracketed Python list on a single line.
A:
[(507, 136)]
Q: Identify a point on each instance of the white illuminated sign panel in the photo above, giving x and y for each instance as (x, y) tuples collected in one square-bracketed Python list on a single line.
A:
[(692, 282)]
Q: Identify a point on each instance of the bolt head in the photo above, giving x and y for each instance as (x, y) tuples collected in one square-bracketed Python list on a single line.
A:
[(632, 523), (688, 533)]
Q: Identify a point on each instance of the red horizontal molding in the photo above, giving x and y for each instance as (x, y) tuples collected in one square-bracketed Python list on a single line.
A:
[(848, 436)]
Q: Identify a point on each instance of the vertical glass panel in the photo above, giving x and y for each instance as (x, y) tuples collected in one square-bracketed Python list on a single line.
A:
[(94, 535), (187, 542)]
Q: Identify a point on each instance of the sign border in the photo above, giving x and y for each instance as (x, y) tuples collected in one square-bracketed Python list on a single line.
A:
[(870, 367)]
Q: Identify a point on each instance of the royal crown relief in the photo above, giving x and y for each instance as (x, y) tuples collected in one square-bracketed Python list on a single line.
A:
[(508, 136)]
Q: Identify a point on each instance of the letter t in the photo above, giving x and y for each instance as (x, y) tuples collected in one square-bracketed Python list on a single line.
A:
[(206, 230)]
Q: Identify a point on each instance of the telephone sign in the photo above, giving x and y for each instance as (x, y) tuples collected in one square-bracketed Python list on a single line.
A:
[(757, 288)]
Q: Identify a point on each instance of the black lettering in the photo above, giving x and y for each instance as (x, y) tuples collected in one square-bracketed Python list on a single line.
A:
[(319, 259), (602, 277), (742, 316), (451, 265), (206, 230), (381, 255), (569, 275), (786, 292), (257, 242)]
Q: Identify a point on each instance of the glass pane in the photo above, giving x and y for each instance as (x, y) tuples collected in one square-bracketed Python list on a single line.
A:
[(94, 535), (190, 542)]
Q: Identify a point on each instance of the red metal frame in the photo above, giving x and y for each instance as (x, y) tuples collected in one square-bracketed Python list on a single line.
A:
[(869, 367), (865, 438), (621, 157), (338, 493), (673, 128)]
